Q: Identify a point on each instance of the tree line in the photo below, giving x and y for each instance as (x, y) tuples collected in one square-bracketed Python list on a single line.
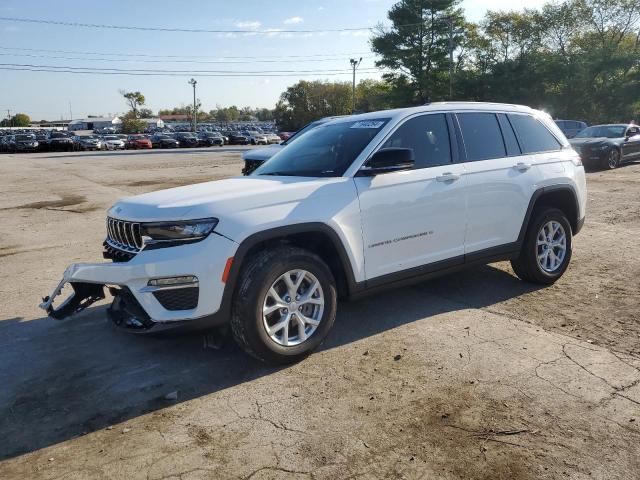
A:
[(577, 60)]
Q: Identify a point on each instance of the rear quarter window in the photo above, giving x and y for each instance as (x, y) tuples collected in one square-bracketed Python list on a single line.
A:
[(534, 137)]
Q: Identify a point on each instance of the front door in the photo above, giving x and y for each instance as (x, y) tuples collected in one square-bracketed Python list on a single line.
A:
[(631, 144), (416, 217)]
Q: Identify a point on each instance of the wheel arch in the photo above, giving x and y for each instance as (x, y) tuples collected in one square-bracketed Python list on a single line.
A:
[(316, 237), (563, 197)]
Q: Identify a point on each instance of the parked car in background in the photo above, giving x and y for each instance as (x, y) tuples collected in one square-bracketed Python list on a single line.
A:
[(210, 139), (254, 158), (61, 141), (24, 143), (237, 138), (607, 146), (570, 128), (187, 139), (273, 138), (286, 135), (43, 141), (164, 141), (135, 142), (89, 142), (112, 142), (256, 138)]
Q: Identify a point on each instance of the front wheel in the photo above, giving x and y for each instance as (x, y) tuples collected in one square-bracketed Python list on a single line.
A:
[(284, 305), (546, 250), (613, 159)]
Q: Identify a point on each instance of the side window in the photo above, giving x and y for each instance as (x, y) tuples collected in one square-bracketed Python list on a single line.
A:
[(534, 136), (482, 136), (428, 136), (510, 140)]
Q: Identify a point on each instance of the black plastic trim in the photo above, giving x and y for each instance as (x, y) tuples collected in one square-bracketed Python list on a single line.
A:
[(224, 311)]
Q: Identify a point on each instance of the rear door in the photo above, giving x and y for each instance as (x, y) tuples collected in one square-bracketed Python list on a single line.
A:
[(414, 221), (499, 185)]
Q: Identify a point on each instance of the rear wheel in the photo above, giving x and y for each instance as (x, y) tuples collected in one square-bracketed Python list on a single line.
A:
[(546, 251), (284, 305)]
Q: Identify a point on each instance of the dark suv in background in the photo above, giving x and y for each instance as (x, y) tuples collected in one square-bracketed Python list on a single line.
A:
[(187, 139), (570, 128)]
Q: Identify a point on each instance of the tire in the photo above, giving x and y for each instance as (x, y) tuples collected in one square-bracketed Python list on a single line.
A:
[(528, 266), (264, 270), (613, 160)]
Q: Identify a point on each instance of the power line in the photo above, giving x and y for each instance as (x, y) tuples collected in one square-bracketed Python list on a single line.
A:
[(271, 31), (137, 60), (170, 74), (339, 55), (184, 72)]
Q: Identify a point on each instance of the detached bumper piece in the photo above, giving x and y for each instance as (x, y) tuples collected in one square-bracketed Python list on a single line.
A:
[(175, 299), (83, 296), (126, 312)]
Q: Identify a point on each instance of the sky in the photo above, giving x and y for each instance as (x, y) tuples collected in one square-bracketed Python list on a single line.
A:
[(261, 47)]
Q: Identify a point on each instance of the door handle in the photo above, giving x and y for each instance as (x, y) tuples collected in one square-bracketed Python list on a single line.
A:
[(521, 166), (448, 177)]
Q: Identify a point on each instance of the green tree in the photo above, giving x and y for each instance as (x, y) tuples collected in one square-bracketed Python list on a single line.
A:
[(145, 113), (18, 120), (373, 95), (307, 101), (416, 47), (134, 100), (133, 125)]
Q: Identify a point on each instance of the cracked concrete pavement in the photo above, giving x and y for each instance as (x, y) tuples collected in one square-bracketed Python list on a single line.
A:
[(476, 375)]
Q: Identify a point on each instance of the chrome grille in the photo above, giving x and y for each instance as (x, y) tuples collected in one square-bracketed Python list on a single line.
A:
[(124, 235)]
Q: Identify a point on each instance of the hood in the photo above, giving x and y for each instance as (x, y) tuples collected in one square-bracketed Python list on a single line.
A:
[(221, 199), (263, 154)]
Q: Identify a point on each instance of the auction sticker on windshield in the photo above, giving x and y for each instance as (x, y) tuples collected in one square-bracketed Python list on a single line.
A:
[(368, 124)]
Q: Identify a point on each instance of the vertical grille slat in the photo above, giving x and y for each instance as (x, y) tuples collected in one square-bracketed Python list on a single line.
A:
[(123, 235)]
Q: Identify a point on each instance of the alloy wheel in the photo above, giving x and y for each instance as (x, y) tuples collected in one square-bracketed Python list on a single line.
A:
[(551, 245), (612, 160), (293, 307)]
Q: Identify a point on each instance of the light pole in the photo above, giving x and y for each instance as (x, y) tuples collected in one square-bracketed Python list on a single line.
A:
[(193, 83), (354, 65)]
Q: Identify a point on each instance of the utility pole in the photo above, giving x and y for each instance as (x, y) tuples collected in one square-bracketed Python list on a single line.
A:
[(193, 83), (70, 112), (354, 65), (9, 118)]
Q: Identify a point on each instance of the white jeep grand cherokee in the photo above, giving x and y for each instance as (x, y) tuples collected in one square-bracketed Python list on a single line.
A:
[(354, 205)]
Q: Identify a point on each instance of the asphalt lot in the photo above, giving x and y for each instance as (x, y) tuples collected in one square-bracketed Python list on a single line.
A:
[(496, 379)]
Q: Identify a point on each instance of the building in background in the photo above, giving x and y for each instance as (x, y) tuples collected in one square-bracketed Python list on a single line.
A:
[(95, 123), (153, 123)]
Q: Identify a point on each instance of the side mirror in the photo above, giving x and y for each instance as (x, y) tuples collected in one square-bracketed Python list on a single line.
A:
[(388, 160), (632, 132)]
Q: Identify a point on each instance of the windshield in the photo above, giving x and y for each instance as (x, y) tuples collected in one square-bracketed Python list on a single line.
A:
[(608, 131), (25, 138), (111, 138), (325, 151)]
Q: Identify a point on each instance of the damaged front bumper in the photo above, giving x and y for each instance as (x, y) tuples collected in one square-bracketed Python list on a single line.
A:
[(140, 301)]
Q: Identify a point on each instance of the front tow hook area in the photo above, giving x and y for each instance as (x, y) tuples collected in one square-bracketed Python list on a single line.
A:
[(83, 296)]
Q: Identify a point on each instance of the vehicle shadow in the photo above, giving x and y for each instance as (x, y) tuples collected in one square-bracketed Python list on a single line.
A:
[(64, 379), (164, 151)]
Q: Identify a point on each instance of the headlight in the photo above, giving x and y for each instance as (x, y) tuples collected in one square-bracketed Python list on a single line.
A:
[(175, 233)]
